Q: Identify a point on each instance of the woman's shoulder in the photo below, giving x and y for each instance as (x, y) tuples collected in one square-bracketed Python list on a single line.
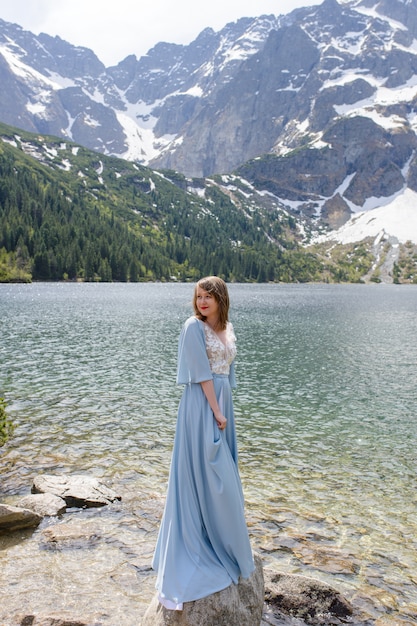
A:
[(193, 324), (192, 333), (192, 320)]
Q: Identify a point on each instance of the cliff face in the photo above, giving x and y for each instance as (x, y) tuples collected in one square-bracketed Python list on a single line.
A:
[(340, 172)]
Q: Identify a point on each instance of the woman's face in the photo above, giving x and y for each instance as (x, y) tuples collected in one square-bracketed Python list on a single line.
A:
[(207, 304)]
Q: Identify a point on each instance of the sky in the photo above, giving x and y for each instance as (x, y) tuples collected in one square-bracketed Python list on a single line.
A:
[(113, 29)]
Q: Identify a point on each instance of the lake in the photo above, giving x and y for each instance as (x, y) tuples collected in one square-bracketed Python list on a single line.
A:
[(327, 428)]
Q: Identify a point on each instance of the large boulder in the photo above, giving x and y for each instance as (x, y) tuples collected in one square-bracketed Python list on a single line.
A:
[(237, 605), (78, 490), (304, 598), (15, 518), (44, 504)]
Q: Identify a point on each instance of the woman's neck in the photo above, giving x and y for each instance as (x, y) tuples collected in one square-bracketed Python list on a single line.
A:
[(213, 323)]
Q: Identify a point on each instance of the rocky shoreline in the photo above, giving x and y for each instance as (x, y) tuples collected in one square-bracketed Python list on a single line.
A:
[(268, 598)]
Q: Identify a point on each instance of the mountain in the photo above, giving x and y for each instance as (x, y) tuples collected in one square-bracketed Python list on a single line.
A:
[(70, 213), (67, 212), (260, 85), (315, 110), (133, 110)]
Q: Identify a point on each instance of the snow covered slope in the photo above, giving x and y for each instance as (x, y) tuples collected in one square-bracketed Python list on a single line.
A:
[(396, 219)]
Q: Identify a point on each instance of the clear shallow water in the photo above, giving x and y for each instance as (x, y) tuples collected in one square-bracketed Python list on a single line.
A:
[(327, 426)]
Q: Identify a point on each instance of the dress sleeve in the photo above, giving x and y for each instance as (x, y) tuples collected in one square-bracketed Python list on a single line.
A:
[(193, 363)]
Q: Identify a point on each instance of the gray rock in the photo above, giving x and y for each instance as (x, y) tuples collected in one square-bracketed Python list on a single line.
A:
[(336, 212), (80, 491), (238, 605), (45, 504), (304, 598), (15, 518)]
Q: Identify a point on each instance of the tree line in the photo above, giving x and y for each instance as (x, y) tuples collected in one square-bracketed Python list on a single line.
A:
[(52, 228)]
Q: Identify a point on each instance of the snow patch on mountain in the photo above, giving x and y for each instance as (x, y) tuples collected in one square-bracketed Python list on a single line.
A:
[(382, 97), (397, 219), (23, 70), (60, 82), (372, 12), (139, 140)]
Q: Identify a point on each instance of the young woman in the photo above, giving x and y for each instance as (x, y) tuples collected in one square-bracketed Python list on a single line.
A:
[(203, 543)]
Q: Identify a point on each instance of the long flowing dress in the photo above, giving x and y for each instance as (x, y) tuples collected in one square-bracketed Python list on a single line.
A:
[(203, 544)]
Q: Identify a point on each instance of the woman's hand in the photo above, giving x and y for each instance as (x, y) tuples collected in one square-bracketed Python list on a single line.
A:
[(208, 389), (221, 421)]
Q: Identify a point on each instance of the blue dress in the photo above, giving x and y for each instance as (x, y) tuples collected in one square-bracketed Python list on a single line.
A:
[(203, 543)]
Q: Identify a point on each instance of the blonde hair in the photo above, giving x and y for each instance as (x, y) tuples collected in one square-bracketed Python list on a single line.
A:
[(217, 288)]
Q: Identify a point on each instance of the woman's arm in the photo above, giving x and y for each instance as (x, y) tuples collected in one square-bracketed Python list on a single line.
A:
[(208, 388)]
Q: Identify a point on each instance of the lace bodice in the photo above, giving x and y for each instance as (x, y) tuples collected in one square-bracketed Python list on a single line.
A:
[(220, 355)]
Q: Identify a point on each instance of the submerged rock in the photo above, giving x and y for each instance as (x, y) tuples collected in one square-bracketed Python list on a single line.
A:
[(78, 491), (38, 620), (15, 518), (237, 605), (71, 535)]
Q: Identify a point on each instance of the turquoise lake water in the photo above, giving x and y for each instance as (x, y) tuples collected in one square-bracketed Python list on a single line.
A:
[(326, 407)]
